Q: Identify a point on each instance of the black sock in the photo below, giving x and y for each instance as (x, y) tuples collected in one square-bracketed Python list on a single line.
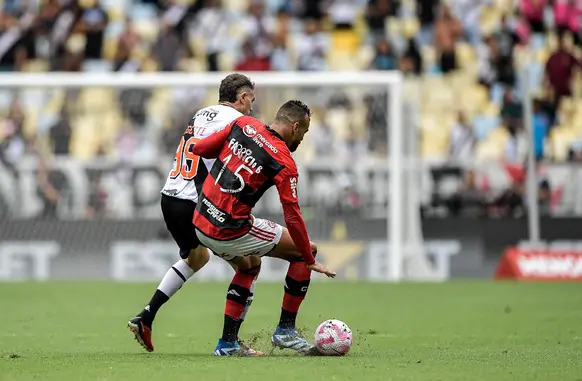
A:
[(287, 320), (238, 324), (149, 312), (230, 330)]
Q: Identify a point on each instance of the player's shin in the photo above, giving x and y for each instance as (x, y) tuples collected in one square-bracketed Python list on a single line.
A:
[(296, 286), (239, 292), (172, 281), (247, 306)]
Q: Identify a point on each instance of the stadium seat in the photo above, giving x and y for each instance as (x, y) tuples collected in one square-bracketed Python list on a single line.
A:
[(140, 11), (344, 41), (341, 60), (560, 140), (487, 150), (6, 97), (96, 66), (483, 125), (116, 14), (236, 6), (33, 98), (36, 66), (466, 55), (147, 29)]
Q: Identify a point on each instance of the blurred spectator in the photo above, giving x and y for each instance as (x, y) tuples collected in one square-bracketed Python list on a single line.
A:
[(411, 62), (250, 61), (312, 48), (323, 139), (342, 14), (469, 13), (68, 20), (133, 105), (541, 125), (50, 188), (96, 206), (128, 42), (447, 31), (462, 140), (47, 17), (426, 11), (130, 38), (13, 51), (468, 199), (168, 49), (211, 24), (60, 134), (308, 9), (495, 67), (93, 23), (385, 58), (376, 13), (533, 10), (522, 30), (258, 30), (506, 37), (12, 144), (567, 15), (512, 201), (280, 58), (559, 72), (376, 115), (511, 110)]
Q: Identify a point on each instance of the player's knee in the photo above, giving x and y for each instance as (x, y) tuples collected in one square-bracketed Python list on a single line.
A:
[(254, 271), (198, 258), (252, 265)]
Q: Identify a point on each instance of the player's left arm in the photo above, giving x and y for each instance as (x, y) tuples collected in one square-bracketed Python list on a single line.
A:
[(286, 183), (210, 147)]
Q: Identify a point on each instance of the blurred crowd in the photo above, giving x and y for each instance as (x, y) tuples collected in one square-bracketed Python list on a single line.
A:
[(471, 58)]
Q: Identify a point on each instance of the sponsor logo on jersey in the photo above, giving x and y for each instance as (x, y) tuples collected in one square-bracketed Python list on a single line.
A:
[(249, 130), (214, 212), (209, 114), (245, 154), (293, 181), (261, 142)]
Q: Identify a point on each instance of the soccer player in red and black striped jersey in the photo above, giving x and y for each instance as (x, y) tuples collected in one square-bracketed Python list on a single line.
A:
[(252, 157)]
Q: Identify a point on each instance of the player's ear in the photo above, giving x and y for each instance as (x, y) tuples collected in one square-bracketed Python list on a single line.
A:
[(296, 127)]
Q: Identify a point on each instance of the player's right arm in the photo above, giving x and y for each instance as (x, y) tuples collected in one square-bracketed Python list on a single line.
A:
[(210, 147)]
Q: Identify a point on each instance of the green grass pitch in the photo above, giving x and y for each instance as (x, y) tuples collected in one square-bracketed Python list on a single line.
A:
[(452, 331)]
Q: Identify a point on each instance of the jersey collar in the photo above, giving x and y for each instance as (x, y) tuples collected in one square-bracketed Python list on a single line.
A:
[(274, 132)]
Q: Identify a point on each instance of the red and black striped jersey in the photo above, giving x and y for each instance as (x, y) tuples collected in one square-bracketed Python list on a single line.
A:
[(251, 158)]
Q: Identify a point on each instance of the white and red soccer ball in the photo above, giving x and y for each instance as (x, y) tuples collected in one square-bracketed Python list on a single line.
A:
[(333, 338)]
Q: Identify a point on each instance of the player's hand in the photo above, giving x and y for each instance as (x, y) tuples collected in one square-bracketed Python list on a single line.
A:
[(319, 268)]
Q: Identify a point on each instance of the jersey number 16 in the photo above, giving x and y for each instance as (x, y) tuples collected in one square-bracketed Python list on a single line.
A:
[(185, 162)]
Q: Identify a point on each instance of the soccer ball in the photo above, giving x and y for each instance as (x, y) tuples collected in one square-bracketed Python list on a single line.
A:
[(333, 338)]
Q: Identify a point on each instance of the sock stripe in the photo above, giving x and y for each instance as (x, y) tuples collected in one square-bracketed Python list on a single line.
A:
[(179, 273)]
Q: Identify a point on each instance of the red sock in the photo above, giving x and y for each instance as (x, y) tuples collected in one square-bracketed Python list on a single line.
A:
[(296, 285), (238, 293)]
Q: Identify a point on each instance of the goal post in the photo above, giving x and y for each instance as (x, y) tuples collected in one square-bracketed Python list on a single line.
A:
[(401, 244)]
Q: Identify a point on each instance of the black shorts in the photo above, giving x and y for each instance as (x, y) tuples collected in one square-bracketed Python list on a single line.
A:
[(178, 216)]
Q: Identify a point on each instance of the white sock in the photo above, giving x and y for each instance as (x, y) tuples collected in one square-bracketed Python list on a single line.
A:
[(249, 300), (176, 276)]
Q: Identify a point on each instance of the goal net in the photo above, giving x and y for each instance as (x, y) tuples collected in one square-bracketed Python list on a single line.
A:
[(84, 157)]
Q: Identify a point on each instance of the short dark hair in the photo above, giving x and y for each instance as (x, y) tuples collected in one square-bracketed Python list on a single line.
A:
[(293, 111), (232, 85)]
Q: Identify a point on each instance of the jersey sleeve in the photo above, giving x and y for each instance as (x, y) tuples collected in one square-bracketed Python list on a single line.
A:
[(286, 183), (210, 147)]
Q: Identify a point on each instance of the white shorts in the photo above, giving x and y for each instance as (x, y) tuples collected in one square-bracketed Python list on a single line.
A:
[(260, 240)]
